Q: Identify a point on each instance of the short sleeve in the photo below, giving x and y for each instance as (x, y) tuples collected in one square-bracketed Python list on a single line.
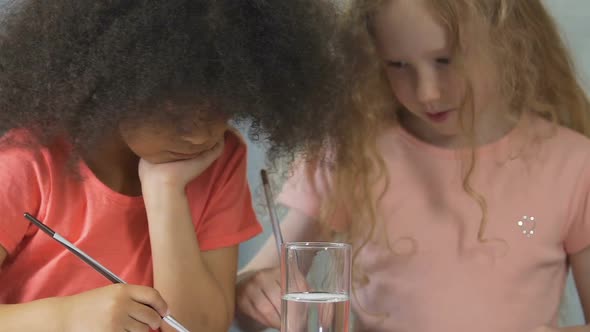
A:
[(226, 217), (20, 191), (305, 189), (577, 235)]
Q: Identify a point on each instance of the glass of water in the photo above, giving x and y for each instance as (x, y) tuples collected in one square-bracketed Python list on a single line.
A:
[(315, 287)]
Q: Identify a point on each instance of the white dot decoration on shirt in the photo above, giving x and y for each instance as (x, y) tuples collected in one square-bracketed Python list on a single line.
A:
[(527, 225)]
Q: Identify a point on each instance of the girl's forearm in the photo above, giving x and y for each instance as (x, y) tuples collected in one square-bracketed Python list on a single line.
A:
[(193, 295)]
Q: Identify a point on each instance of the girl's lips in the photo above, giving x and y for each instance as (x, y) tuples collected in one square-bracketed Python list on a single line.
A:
[(439, 117)]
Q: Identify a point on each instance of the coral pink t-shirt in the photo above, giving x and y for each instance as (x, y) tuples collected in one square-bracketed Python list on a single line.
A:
[(110, 227), (437, 276)]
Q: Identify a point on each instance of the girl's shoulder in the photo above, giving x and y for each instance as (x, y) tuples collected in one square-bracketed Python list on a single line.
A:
[(561, 138), (558, 145), (22, 149)]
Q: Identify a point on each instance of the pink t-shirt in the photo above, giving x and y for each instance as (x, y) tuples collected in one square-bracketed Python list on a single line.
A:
[(437, 276), (110, 227)]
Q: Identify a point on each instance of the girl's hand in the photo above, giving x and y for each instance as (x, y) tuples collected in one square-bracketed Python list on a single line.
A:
[(259, 297), (177, 174), (114, 308)]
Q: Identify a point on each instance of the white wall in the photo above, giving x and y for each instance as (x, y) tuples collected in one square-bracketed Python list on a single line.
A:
[(573, 16)]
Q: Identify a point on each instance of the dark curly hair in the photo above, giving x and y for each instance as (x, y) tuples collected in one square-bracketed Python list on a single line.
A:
[(80, 67)]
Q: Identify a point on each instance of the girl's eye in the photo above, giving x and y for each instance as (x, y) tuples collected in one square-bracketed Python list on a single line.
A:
[(397, 64), (443, 61)]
